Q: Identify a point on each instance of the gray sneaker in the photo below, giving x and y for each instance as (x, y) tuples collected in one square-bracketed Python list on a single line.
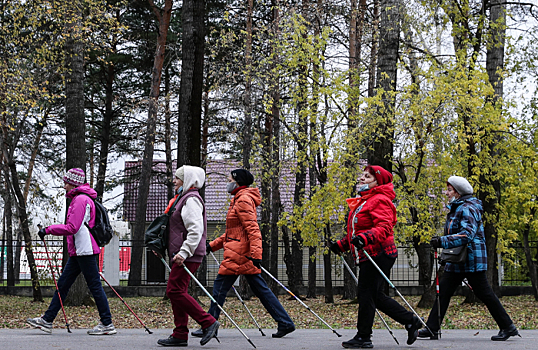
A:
[(101, 329), (40, 323)]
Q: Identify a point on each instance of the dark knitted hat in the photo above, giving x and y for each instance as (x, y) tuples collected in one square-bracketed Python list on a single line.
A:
[(242, 177)]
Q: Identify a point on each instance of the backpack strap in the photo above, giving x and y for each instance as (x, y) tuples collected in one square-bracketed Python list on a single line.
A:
[(171, 211), (85, 223)]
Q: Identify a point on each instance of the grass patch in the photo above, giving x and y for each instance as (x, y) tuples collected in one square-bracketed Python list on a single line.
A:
[(156, 313)]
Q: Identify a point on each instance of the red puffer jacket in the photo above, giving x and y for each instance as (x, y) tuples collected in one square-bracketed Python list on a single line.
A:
[(372, 216), (242, 237)]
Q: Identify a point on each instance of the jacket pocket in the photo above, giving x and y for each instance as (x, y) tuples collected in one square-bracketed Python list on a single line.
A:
[(234, 233)]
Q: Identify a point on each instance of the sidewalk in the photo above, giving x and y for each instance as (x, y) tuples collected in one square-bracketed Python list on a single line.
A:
[(231, 339)]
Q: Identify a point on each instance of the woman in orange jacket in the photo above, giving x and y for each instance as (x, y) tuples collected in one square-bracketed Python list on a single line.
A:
[(242, 244)]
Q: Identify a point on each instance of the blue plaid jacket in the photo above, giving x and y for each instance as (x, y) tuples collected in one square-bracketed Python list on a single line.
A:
[(464, 226)]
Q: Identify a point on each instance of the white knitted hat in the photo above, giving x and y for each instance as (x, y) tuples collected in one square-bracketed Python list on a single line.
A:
[(180, 173), (461, 185)]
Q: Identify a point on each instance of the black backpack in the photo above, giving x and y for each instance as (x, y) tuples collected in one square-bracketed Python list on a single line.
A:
[(102, 230)]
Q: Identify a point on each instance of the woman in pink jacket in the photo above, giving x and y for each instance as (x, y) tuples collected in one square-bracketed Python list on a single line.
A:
[(83, 253)]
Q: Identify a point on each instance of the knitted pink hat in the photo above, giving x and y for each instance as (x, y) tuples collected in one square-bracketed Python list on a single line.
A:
[(75, 177)]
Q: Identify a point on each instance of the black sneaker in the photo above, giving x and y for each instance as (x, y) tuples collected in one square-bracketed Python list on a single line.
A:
[(282, 332), (506, 333), (209, 333), (412, 330), (171, 341), (358, 343), (424, 333), (199, 333)]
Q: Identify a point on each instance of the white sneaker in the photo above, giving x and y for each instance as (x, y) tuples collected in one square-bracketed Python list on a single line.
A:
[(40, 323), (101, 329)]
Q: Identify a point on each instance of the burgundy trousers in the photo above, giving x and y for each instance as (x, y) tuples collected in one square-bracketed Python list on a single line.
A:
[(183, 305)]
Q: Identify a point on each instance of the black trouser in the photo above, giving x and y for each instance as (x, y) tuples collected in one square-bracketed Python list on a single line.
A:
[(372, 296), (478, 281)]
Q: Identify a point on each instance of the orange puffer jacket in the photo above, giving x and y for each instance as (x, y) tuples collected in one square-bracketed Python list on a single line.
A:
[(242, 237)]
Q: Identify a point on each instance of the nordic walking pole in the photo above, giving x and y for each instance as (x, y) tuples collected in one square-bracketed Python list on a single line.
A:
[(299, 300), (376, 310), (241, 300), (467, 284), (212, 299), (56, 284), (123, 301), (396, 289), (437, 294)]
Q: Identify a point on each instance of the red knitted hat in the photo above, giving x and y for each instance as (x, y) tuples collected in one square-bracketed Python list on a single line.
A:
[(381, 175)]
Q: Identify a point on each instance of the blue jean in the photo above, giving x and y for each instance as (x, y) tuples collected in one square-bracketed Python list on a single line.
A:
[(223, 283), (88, 266)]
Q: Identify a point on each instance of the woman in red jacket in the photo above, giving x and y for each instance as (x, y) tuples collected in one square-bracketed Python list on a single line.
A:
[(370, 226)]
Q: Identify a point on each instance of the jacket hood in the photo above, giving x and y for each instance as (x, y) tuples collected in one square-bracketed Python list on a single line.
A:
[(83, 189), (477, 203), (386, 190), (252, 192), (194, 177)]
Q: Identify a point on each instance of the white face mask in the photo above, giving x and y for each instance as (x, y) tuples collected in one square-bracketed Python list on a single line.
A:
[(179, 190), (451, 199), (363, 188), (230, 186)]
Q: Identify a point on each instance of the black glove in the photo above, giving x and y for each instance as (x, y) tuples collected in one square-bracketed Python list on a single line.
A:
[(435, 242), (42, 233), (256, 262), (358, 242), (207, 247), (333, 246)]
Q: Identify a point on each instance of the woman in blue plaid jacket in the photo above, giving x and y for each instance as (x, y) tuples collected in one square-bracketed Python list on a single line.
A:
[(464, 227)]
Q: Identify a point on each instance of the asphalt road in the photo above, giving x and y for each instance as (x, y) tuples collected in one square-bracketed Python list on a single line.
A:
[(231, 339)]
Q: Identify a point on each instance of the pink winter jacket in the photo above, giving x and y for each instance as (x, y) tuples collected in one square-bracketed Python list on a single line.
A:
[(80, 242)]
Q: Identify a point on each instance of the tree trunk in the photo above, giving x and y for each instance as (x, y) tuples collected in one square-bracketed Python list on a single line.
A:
[(294, 256), (191, 87), (75, 135), (294, 261), (39, 132), (532, 264), (8, 233), (168, 135), (23, 217), (205, 126), (350, 286), (389, 40), (105, 131), (425, 266), (17, 259), (247, 132), (329, 297), (373, 51), (312, 272), (276, 204), (266, 177), (490, 197), (163, 17), (192, 76)]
